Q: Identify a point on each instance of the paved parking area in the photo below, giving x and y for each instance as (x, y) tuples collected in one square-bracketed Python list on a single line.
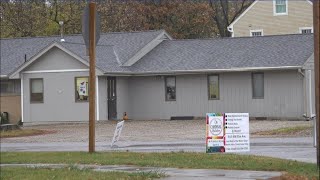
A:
[(162, 136), (144, 131)]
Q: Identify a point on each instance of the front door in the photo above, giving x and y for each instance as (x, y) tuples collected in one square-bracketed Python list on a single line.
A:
[(112, 98)]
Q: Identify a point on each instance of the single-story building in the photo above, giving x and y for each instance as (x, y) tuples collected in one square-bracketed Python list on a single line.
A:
[(149, 75)]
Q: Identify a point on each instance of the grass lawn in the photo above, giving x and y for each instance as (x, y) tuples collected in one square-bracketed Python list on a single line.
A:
[(17, 173), (22, 132), (285, 131), (176, 160)]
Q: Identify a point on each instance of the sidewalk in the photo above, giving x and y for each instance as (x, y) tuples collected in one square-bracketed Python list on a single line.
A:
[(171, 173)]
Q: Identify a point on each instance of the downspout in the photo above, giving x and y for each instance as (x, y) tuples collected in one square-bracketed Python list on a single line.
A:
[(300, 71), (97, 99), (311, 116), (21, 87), (310, 92), (305, 94)]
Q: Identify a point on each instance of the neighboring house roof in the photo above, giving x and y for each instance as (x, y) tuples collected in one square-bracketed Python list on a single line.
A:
[(172, 56), (122, 46)]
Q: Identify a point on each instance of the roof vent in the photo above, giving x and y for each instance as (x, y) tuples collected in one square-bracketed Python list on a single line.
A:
[(61, 31)]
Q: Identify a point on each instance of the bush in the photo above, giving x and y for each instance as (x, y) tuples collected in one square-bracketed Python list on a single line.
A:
[(4, 118), (20, 123)]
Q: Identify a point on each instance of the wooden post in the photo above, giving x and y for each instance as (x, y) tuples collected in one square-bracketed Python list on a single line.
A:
[(316, 24), (92, 78)]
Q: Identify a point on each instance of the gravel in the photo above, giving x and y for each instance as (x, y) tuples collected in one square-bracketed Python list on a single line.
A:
[(146, 131)]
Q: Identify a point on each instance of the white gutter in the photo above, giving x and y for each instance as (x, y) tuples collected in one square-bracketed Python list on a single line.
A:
[(3, 76), (204, 71)]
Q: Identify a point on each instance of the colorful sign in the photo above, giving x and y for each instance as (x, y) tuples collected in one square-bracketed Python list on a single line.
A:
[(117, 133), (227, 132)]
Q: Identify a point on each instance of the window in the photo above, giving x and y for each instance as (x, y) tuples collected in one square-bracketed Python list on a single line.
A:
[(170, 83), (258, 85), (36, 90), (256, 33), (213, 86), (82, 88), (306, 30), (280, 7), (11, 87)]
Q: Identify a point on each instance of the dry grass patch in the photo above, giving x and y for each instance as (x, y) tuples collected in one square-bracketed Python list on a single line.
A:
[(288, 131), (23, 132)]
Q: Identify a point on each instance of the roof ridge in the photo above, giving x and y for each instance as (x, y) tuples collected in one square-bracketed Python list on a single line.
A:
[(66, 35), (124, 32), (244, 37)]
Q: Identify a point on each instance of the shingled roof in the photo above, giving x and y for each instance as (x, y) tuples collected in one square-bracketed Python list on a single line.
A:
[(227, 53), (171, 56), (112, 47)]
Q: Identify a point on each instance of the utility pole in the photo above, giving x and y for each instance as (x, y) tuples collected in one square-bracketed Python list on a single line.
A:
[(92, 75), (316, 27)]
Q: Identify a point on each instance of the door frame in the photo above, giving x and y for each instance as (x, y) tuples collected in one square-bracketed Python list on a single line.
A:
[(112, 106)]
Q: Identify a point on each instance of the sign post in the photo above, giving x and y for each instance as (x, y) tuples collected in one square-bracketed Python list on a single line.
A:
[(228, 132), (91, 31)]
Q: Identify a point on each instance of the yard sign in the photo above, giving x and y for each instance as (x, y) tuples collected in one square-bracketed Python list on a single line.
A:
[(117, 133), (227, 132)]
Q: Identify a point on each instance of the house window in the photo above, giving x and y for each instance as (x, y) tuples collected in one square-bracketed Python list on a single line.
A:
[(36, 90), (280, 7), (306, 30), (257, 85), (10, 87), (213, 86), (256, 33), (82, 88), (170, 83)]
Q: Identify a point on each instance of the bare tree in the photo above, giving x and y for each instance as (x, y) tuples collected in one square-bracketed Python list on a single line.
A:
[(225, 13)]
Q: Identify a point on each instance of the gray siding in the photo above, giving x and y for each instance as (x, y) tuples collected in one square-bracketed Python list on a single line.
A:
[(59, 99), (123, 97), (283, 96), (59, 90), (103, 107), (55, 59)]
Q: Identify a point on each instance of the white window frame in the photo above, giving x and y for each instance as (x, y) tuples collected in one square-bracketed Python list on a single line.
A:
[(76, 92), (305, 28), (256, 30), (175, 87), (32, 101), (263, 85), (208, 86), (275, 9)]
